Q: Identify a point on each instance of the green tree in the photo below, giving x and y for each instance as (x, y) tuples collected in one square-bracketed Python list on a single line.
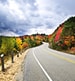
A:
[(7, 45), (0, 41)]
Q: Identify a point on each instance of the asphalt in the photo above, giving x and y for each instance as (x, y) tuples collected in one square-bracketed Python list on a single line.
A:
[(45, 64)]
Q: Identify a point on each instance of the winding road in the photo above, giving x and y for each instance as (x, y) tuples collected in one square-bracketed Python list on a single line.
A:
[(45, 64)]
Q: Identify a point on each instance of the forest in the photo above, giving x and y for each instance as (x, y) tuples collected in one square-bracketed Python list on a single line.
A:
[(63, 38), (19, 44)]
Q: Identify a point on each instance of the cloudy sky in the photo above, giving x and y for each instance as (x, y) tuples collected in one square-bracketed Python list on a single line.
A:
[(21, 17)]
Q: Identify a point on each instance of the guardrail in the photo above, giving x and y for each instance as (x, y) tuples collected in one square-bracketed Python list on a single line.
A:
[(12, 58)]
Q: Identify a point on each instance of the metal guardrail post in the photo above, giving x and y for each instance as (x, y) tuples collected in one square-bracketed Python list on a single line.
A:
[(17, 53), (12, 57), (2, 62)]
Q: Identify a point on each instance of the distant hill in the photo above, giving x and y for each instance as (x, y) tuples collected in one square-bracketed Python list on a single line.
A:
[(63, 38)]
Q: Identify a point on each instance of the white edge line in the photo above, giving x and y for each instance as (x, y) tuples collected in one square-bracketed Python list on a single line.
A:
[(42, 67)]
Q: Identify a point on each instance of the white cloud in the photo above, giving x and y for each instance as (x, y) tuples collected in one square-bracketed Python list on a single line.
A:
[(8, 33), (14, 9), (40, 30), (33, 16), (48, 10)]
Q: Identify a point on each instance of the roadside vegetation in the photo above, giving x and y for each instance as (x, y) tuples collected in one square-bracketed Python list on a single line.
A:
[(19, 44), (63, 38)]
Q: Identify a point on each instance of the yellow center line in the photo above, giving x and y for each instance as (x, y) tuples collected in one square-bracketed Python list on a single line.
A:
[(61, 57)]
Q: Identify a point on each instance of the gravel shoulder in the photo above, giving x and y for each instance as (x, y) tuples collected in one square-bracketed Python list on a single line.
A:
[(13, 71)]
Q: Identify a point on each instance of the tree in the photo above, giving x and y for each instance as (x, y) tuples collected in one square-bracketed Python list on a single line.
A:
[(7, 45), (0, 41), (25, 44), (18, 44)]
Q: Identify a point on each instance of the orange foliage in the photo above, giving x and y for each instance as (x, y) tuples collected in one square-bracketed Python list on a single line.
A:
[(39, 37), (49, 36), (25, 45), (72, 38), (32, 37), (66, 42), (73, 49)]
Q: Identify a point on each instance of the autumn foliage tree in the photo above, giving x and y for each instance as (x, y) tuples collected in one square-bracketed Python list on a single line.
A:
[(18, 44), (24, 45)]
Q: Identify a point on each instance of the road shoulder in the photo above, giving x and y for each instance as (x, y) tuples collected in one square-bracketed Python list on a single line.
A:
[(13, 69)]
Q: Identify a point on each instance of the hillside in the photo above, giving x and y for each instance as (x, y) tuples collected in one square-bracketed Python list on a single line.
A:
[(63, 38)]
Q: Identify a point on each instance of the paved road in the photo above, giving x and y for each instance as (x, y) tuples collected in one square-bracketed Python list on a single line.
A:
[(45, 64)]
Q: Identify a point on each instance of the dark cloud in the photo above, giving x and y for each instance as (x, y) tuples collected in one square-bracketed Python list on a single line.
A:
[(3, 1), (23, 16)]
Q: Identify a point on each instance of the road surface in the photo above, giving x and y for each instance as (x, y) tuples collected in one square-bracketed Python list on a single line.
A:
[(45, 64)]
